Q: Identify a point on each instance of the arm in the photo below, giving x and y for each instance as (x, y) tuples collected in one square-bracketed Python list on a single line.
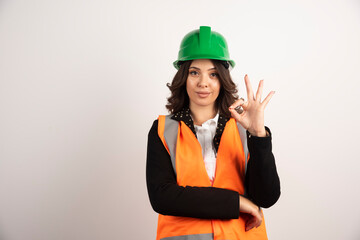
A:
[(168, 198), (262, 181)]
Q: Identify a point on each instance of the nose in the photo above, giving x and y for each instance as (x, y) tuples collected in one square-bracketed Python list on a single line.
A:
[(203, 81)]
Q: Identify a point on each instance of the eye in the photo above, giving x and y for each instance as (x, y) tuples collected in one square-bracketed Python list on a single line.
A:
[(214, 75), (194, 73)]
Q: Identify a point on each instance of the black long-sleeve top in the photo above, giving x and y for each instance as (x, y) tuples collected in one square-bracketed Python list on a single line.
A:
[(168, 198)]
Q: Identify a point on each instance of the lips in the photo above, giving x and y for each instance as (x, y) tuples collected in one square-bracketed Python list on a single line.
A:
[(203, 94)]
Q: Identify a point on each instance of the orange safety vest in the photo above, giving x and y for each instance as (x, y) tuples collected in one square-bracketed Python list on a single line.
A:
[(186, 156)]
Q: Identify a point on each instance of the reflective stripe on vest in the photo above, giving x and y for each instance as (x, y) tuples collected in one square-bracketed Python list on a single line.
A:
[(242, 133), (204, 236), (170, 134)]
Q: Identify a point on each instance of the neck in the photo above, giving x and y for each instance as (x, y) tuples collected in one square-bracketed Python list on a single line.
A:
[(202, 114)]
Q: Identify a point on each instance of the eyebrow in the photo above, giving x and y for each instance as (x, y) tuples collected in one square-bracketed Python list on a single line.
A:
[(200, 69)]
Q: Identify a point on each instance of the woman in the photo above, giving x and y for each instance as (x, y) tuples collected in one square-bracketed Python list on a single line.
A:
[(200, 177)]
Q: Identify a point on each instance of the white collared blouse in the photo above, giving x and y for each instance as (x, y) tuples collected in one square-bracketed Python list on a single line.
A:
[(205, 135)]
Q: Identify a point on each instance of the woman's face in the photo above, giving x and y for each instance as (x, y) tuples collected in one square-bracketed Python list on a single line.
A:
[(203, 84)]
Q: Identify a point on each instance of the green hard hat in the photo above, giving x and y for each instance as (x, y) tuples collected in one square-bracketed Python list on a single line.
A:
[(203, 44)]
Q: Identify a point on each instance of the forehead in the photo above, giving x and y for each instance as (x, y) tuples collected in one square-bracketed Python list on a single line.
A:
[(202, 64)]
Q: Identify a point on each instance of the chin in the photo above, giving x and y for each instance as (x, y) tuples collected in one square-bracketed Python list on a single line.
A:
[(204, 103)]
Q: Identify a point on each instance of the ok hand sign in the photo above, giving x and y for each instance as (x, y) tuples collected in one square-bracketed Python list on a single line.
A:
[(252, 117)]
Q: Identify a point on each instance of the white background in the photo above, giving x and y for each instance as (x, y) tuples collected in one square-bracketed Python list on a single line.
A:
[(82, 81)]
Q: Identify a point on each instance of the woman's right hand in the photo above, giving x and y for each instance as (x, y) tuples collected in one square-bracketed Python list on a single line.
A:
[(247, 206)]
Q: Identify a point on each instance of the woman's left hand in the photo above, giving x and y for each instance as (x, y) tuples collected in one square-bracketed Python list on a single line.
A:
[(252, 117)]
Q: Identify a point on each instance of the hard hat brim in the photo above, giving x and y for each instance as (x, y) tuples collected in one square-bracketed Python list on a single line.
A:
[(177, 66)]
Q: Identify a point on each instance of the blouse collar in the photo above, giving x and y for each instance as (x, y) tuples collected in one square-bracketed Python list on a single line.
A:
[(184, 115)]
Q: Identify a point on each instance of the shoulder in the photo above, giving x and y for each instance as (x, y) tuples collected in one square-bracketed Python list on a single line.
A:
[(154, 127), (159, 121)]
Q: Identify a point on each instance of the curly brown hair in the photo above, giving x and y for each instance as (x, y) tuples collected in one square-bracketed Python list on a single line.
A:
[(179, 98)]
